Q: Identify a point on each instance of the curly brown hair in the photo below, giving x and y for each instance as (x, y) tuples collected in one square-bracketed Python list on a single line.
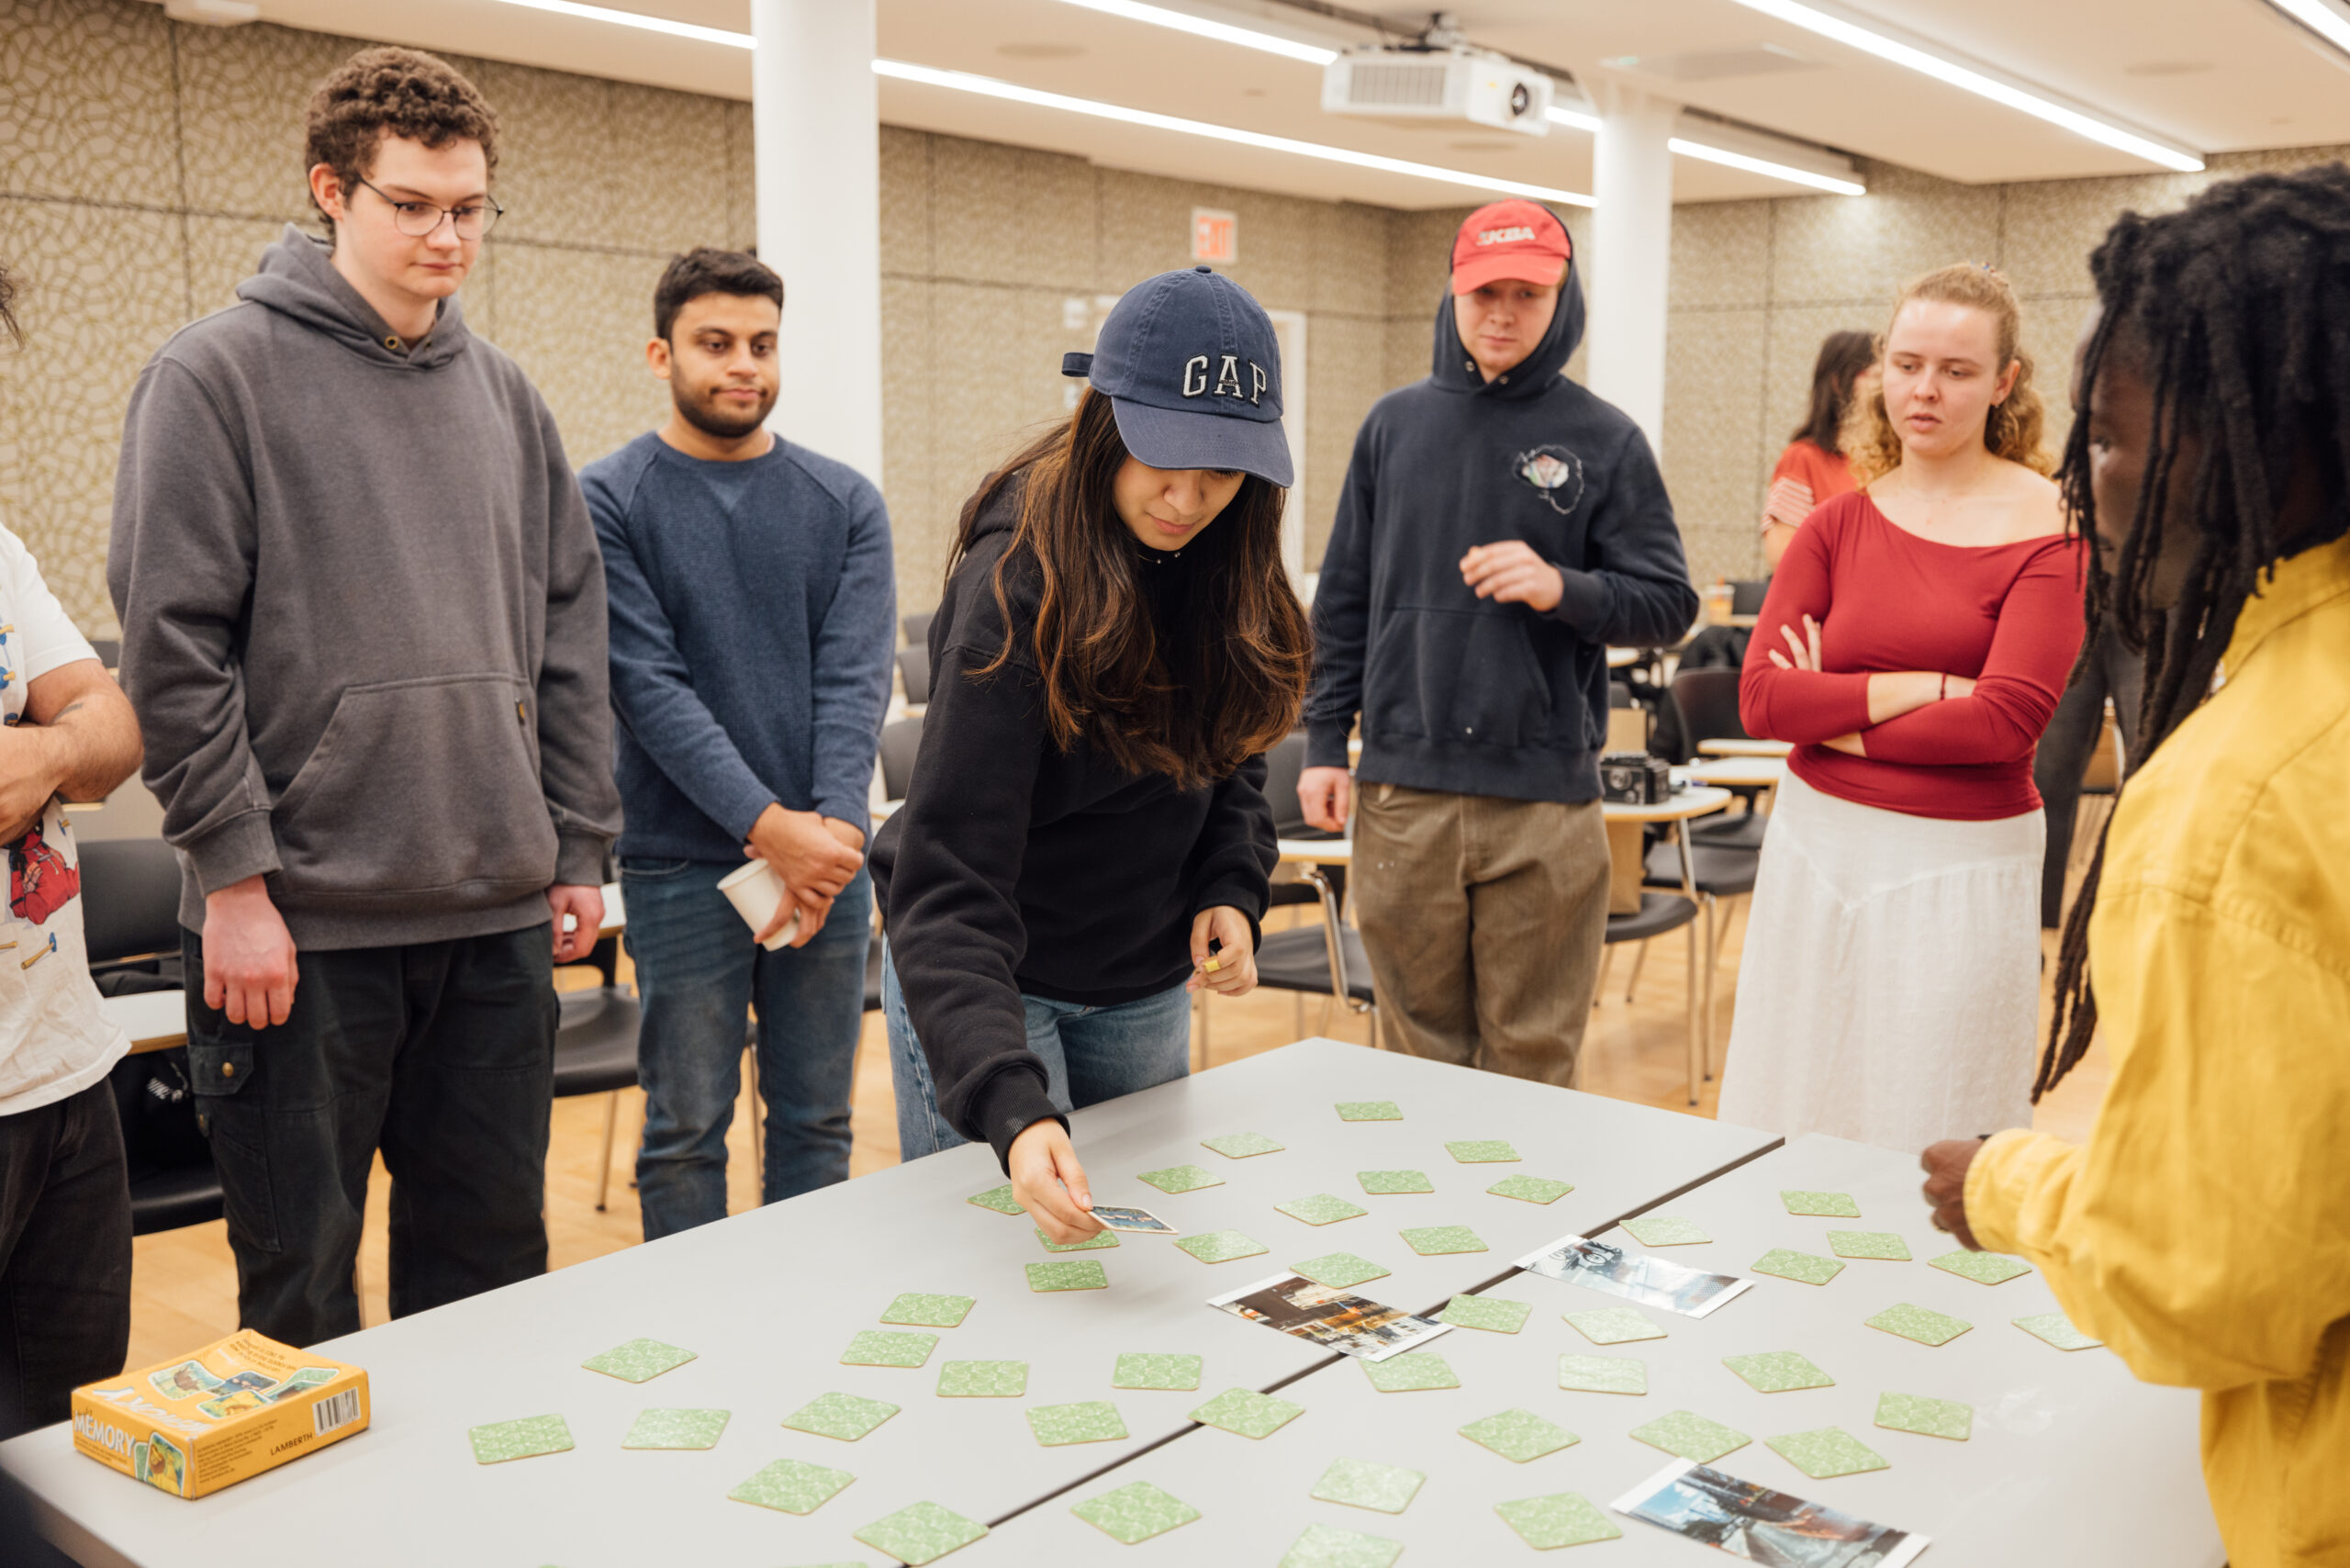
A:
[(2013, 431), (392, 92)]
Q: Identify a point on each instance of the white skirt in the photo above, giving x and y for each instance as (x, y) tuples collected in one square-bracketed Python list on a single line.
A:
[(1889, 989)]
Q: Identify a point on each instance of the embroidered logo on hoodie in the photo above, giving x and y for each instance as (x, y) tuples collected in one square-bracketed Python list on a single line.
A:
[(1556, 473)]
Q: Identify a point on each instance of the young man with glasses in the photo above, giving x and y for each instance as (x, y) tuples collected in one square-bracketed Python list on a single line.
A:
[(752, 594), (364, 631)]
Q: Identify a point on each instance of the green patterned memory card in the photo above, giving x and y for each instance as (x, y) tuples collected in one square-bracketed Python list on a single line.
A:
[(789, 1486), (675, 1429), (1409, 1373), (1614, 1324), (1246, 1413), (1830, 1451), (1691, 1436), (1519, 1436), (1338, 1271), (1480, 1152), (999, 1199), (846, 1417), (1531, 1189), (1928, 1417), (921, 1534), (1920, 1323), (1804, 1267), (983, 1380), (1241, 1145), (885, 1348), (1434, 1240), (1778, 1372), (1159, 1370), (1328, 1546), (526, 1439), (639, 1360), (1322, 1208), (1827, 1205), (1664, 1230), (1490, 1313), (1087, 1421), (1071, 1274), (2054, 1327), (1881, 1244), (1603, 1374), (1370, 1110), (1364, 1483), (1564, 1519), (1136, 1512), (1983, 1268), (1095, 1243), (1222, 1245), (1386, 1183), (920, 1311), (1181, 1178)]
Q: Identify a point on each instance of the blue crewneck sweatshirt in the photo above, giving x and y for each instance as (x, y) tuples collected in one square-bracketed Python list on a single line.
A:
[(752, 605), (1462, 694)]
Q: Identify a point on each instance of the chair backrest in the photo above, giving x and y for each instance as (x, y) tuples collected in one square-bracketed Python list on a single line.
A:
[(131, 899), (109, 652), (1746, 597), (913, 668), (1283, 764), (1707, 700), (917, 628), (899, 742)]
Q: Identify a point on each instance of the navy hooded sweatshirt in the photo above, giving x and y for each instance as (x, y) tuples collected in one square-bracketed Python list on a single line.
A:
[(1462, 694)]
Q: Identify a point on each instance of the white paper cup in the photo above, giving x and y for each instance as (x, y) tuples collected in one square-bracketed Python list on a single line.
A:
[(755, 890)]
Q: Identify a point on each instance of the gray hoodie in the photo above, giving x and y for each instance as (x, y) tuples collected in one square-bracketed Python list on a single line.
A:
[(363, 618)]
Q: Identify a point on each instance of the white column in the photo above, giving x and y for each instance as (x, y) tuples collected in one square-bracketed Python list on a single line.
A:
[(1632, 251), (816, 137)]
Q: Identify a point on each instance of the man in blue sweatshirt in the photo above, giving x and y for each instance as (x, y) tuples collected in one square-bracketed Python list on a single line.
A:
[(1500, 526), (752, 596)]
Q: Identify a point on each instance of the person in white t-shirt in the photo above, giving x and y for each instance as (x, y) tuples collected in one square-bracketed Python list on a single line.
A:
[(66, 732)]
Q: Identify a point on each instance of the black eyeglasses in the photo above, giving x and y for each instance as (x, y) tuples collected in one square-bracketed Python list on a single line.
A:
[(418, 219)]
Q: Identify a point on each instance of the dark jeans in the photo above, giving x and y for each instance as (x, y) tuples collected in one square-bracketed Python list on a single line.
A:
[(441, 1055), (2067, 747), (699, 975), (64, 1255)]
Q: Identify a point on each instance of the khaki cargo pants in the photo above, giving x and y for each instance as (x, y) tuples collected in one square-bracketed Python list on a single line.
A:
[(1484, 920)]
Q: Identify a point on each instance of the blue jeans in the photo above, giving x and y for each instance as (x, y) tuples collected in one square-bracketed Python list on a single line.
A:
[(698, 975), (1091, 1054)]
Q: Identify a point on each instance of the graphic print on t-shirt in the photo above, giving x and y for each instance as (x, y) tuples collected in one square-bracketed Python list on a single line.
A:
[(41, 882), (1555, 472)]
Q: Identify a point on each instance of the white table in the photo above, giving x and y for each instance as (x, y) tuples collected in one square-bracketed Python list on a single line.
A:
[(155, 1020), (2071, 1460), (1725, 747), (1752, 772), (770, 1298)]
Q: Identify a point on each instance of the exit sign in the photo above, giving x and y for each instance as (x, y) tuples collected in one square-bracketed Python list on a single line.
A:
[(1216, 236)]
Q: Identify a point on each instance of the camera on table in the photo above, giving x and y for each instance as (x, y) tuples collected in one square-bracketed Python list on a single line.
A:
[(1634, 778)]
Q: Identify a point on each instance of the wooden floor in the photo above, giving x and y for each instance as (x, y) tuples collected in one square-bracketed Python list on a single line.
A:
[(184, 1285)]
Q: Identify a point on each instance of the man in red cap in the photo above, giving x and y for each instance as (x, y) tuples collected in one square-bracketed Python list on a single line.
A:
[(1499, 528)]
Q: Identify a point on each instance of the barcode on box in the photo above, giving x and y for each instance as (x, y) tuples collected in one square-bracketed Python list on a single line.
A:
[(334, 1412)]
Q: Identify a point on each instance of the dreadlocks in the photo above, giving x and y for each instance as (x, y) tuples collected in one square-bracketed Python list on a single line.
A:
[(2240, 306)]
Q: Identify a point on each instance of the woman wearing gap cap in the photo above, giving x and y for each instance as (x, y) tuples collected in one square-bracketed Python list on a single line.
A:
[(1085, 840)]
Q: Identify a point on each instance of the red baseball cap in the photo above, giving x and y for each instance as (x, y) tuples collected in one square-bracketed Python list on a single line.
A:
[(1510, 238)]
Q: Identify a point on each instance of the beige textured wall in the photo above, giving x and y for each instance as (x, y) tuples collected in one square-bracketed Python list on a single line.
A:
[(1757, 283)]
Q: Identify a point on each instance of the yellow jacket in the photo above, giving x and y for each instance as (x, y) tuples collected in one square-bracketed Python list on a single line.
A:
[(2203, 1232)]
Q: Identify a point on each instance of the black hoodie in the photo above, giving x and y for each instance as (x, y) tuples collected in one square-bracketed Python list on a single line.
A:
[(1462, 694), (1015, 867)]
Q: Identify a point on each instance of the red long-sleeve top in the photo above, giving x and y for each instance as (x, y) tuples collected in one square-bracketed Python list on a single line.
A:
[(2008, 616)]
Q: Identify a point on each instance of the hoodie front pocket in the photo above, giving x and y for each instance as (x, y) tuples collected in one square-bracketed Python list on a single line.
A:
[(1463, 676), (424, 787)]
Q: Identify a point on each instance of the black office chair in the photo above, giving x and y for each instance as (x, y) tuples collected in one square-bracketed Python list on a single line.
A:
[(595, 1047), (1714, 873), (917, 628), (1657, 914), (1706, 702), (914, 670), (901, 740), (1283, 765), (1746, 597), (131, 902)]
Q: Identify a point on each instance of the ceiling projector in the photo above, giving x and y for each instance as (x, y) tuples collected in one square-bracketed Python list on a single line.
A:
[(1438, 86)]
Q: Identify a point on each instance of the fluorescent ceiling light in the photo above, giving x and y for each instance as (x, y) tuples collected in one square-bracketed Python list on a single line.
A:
[(1790, 173), (988, 86), (637, 19), (2328, 22), (1853, 35), (1223, 32)]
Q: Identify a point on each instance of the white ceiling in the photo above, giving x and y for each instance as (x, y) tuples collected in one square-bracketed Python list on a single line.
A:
[(2211, 74)]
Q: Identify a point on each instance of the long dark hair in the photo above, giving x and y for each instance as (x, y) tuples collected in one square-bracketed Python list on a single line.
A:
[(2237, 312), (1192, 700), (1842, 357)]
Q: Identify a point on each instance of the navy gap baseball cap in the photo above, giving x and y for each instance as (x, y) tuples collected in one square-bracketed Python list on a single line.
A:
[(1190, 364)]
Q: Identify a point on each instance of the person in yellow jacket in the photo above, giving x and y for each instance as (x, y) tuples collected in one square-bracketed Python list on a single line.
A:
[(2204, 1230)]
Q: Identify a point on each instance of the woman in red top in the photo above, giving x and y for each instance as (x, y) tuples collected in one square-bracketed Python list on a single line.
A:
[(1915, 641), (1812, 471)]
